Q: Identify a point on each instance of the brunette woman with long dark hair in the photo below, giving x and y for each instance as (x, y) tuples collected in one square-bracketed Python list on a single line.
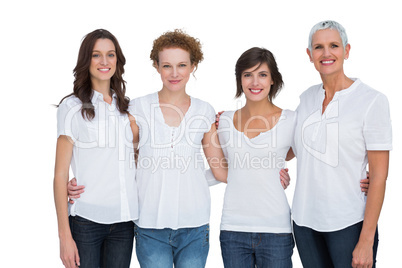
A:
[(95, 137)]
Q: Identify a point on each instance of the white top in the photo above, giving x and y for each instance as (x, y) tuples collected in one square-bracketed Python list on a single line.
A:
[(255, 200), (331, 150), (173, 190), (102, 160)]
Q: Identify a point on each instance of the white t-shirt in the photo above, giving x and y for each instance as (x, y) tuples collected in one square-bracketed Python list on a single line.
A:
[(331, 150), (173, 190), (102, 160), (255, 200)]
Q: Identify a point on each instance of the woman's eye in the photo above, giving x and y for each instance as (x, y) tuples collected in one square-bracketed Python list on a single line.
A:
[(246, 75), (183, 65), (263, 75), (112, 55), (95, 55)]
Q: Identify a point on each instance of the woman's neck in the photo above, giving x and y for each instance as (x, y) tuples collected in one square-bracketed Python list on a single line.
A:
[(172, 97), (253, 108), (103, 88), (335, 83)]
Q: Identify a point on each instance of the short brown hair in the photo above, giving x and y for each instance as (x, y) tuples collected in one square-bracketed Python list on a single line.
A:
[(257, 56), (177, 39)]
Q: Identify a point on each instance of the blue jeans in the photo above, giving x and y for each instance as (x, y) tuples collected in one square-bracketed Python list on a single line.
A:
[(329, 249), (244, 249), (161, 248), (102, 245)]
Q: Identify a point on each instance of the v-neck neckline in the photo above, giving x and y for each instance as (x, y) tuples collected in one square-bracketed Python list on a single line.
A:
[(261, 133), (163, 117)]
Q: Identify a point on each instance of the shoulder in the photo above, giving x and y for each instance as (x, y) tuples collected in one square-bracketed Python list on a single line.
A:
[(136, 104), (200, 103), (202, 107), (311, 91), (289, 113), (228, 114), (368, 92), (69, 105), (70, 101), (366, 98), (226, 119), (143, 99), (289, 117)]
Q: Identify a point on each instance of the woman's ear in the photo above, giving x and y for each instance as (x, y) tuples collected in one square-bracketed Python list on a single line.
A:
[(155, 64), (309, 54), (347, 49)]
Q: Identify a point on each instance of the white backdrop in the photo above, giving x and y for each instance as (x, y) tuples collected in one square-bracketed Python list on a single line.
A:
[(39, 46)]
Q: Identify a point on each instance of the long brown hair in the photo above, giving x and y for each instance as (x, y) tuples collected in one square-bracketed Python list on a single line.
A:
[(82, 82)]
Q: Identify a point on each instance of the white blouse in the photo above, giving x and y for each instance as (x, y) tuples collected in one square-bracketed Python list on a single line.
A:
[(331, 150), (255, 200), (173, 190), (102, 160)]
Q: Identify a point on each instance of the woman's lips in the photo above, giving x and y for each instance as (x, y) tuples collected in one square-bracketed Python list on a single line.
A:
[(327, 62), (174, 81), (255, 90), (104, 70)]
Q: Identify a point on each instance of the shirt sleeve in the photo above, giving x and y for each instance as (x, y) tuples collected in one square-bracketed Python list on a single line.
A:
[(67, 123), (209, 176), (293, 144), (210, 115), (132, 107), (377, 130), (135, 108)]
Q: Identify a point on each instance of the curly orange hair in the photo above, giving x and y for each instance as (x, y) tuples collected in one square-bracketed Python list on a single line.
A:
[(177, 39)]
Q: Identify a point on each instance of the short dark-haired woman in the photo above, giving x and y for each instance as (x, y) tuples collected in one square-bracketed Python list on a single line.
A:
[(256, 224)]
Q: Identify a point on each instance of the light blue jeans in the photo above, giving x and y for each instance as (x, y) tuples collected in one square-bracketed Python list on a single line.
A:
[(161, 248)]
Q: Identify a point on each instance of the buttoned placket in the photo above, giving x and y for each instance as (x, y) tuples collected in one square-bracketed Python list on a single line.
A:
[(324, 116), (172, 130)]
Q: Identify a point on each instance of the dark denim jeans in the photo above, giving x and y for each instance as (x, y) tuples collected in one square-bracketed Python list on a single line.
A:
[(103, 245), (329, 249), (262, 250), (161, 248)]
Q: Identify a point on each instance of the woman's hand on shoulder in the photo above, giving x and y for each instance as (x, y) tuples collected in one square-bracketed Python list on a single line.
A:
[(217, 119)]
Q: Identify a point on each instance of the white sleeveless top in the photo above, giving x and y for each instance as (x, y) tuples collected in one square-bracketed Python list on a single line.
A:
[(255, 200), (173, 190)]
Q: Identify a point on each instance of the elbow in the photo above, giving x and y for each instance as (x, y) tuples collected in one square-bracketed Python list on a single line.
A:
[(221, 175)]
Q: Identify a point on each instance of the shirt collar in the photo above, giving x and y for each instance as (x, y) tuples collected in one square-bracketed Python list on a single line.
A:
[(356, 83), (96, 96), (99, 96)]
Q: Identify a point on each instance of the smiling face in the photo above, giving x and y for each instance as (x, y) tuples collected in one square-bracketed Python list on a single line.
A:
[(328, 52), (175, 68), (103, 62), (256, 82)]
